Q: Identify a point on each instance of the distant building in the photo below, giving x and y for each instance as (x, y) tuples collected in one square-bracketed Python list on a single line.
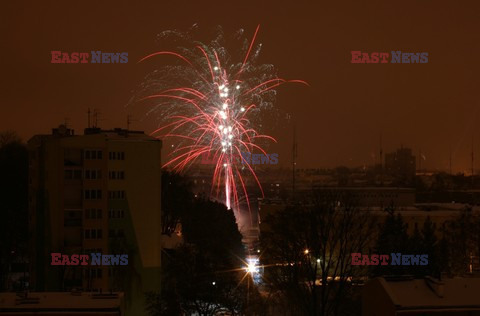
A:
[(401, 164), (95, 193), (425, 297)]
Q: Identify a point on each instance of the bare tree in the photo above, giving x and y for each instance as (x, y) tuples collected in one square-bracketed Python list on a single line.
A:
[(307, 252), (8, 137)]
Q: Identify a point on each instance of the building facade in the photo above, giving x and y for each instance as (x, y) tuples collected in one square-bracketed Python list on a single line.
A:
[(95, 193)]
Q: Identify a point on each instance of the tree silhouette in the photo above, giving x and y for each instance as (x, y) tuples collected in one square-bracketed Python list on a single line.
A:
[(307, 252), (14, 204)]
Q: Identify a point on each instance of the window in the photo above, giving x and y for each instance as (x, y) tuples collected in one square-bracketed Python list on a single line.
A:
[(92, 194), (116, 175), (77, 174), (93, 154), (87, 233), (93, 174), (116, 155), (116, 195), (68, 174), (99, 213)]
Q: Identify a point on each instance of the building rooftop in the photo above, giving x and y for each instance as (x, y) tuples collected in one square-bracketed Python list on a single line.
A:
[(430, 294), (61, 301)]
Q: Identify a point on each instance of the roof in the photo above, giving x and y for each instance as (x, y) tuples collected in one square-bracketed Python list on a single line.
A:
[(429, 293), (61, 301)]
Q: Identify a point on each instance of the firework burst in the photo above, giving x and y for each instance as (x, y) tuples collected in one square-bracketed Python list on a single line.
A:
[(210, 101)]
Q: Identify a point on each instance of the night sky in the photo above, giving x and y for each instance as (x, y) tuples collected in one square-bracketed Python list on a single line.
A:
[(339, 118)]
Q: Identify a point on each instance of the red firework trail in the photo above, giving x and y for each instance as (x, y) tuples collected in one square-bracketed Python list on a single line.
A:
[(215, 119)]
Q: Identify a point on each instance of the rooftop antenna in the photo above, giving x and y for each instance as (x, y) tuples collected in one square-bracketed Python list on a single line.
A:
[(88, 113), (95, 117), (129, 121)]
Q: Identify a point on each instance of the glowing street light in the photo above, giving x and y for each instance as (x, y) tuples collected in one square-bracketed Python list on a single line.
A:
[(252, 266)]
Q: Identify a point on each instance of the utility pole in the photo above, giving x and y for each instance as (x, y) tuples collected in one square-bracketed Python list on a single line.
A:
[(450, 160), (381, 160), (294, 159), (419, 160), (473, 171)]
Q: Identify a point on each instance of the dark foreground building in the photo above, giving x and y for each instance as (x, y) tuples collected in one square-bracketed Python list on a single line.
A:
[(95, 193)]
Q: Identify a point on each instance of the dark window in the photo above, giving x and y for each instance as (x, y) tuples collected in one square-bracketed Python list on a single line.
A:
[(68, 174), (87, 213), (87, 174), (87, 154), (99, 213), (94, 154), (77, 174), (87, 194), (122, 155), (99, 233), (87, 233), (99, 154), (93, 234)]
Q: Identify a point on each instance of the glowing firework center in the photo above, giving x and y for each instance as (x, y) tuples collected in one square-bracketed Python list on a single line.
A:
[(226, 112)]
